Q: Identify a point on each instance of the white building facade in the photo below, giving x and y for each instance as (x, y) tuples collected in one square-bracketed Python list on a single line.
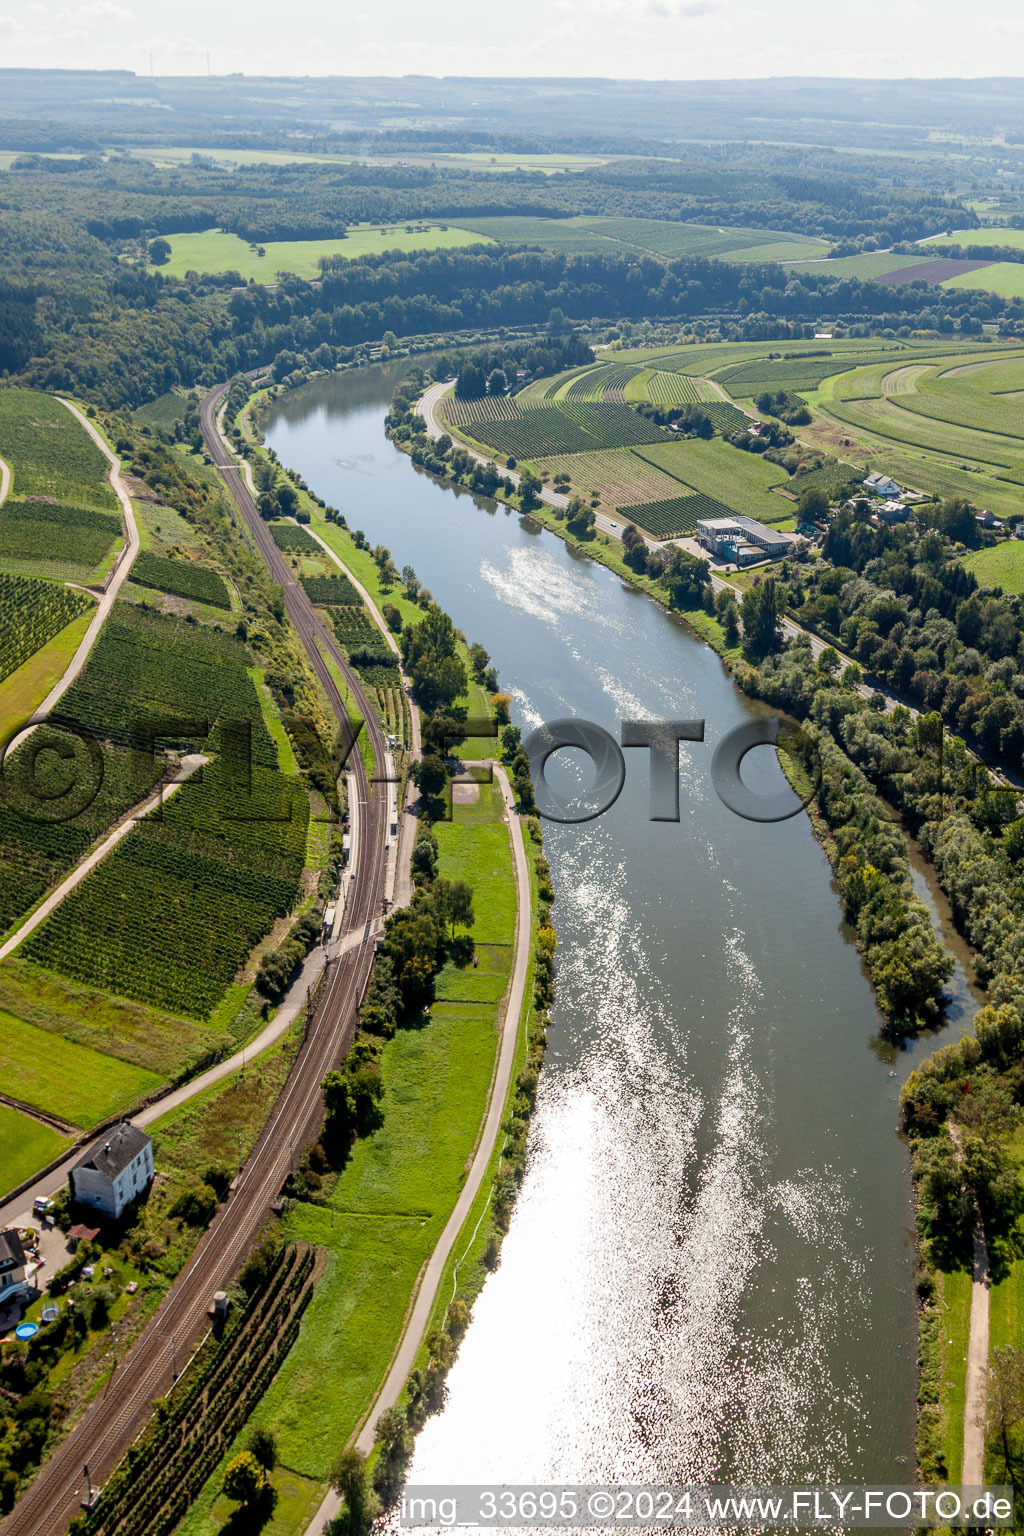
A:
[(114, 1172)]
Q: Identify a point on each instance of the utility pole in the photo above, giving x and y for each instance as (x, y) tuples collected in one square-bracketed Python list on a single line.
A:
[(239, 1152)]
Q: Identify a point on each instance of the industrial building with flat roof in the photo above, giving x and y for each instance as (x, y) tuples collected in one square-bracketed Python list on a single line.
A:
[(742, 539)]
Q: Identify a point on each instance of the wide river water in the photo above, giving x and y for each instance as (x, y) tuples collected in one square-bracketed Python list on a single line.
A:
[(708, 1276)]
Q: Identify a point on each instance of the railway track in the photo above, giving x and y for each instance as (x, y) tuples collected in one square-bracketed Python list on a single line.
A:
[(114, 1419)]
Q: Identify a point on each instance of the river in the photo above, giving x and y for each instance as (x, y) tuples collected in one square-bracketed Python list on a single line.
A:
[(708, 1276)]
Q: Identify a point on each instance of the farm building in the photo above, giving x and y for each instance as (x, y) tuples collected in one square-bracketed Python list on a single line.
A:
[(742, 539), (878, 484), (14, 1280), (987, 520), (114, 1171)]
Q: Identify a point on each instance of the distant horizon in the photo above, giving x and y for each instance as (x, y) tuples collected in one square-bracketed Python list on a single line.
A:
[(644, 40), (552, 79)]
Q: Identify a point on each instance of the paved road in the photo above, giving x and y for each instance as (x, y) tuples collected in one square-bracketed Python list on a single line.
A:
[(113, 1420), (416, 1326)]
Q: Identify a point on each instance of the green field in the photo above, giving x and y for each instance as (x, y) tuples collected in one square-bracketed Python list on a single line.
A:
[(216, 250), (25, 1145), (68, 1080), (870, 265), (1006, 278), (164, 1044), (1000, 566), (742, 481), (50, 454), (989, 234), (664, 238), (393, 1196), (954, 1297)]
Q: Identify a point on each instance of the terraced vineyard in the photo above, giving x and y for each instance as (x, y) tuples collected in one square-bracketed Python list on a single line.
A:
[(677, 516), (182, 578), (170, 916), (618, 475), (55, 540), (807, 373), (670, 388), (147, 666), (488, 408), (571, 426), (31, 613), (741, 482), (49, 452), (35, 852)]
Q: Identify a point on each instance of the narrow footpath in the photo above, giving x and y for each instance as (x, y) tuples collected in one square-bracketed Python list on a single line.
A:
[(430, 1280), (972, 1470)]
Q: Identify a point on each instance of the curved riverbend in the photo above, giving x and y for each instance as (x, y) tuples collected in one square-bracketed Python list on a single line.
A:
[(709, 1271)]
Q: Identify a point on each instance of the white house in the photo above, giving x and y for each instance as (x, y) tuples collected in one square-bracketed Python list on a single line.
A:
[(878, 484), (114, 1171), (14, 1279)]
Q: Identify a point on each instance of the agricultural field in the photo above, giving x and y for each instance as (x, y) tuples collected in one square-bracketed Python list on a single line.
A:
[(747, 379), (331, 591), (36, 853), (71, 1081), (677, 516), (664, 238), (26, 688), (49, 454), (182, 578), (488, 408), (293, 539), (570, 426), (662, 388), (148, 664), (1002, 565), (166, 412), (618, 475), (172, 914), (25, 1146), (59, 542), (160, 1044), (742, 482), (1006, 278), (31, 614), (216, 250), (989, 234)]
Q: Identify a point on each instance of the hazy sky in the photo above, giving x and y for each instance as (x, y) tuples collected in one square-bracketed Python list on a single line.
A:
[(650, 39)]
